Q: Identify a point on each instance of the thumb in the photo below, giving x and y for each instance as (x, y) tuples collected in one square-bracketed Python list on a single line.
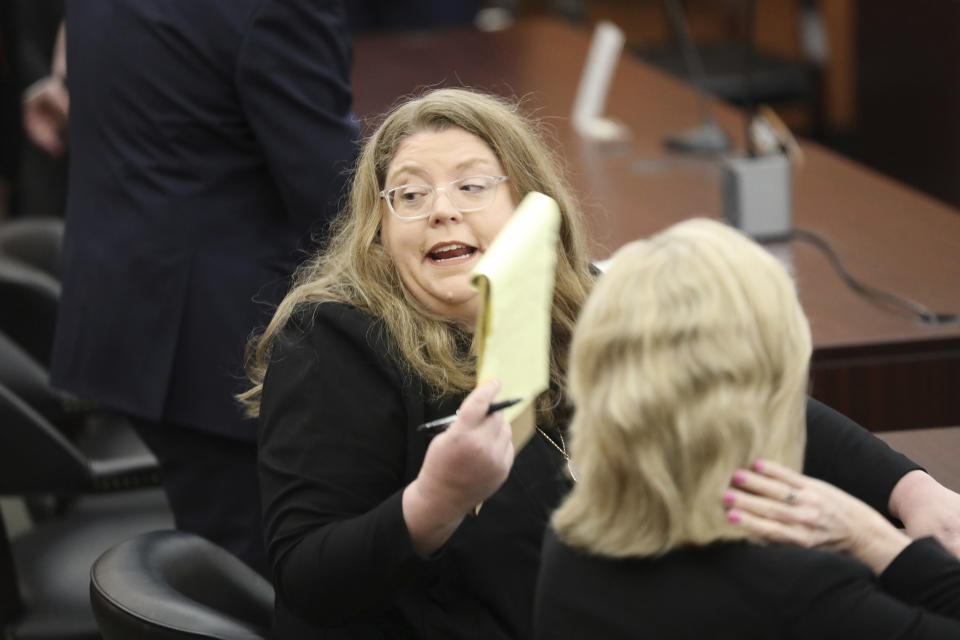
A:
[(474, 408)]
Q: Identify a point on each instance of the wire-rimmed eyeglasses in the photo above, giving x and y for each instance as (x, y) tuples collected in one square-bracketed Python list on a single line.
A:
[(413, 201)]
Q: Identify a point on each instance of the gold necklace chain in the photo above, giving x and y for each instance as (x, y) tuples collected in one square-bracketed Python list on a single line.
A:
[(563, 445), (562, 448)]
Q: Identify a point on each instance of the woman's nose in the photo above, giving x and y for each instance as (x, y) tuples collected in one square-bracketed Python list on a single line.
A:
[(443, 209)]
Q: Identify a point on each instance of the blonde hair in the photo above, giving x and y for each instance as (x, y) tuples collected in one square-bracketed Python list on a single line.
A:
[(690, 360), (355, 269)]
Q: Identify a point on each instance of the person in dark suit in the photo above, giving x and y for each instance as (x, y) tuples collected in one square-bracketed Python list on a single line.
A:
[(384, 15), (208, 140), (689, 363)]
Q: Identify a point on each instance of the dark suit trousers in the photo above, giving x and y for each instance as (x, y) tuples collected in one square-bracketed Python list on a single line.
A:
[(211, 483)]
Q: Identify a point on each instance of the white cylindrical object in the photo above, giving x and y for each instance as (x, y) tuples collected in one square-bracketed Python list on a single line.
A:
[(602, 58)]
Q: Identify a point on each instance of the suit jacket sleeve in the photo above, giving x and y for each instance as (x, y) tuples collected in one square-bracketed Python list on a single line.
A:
[(845, 454), (293, 78), (918, 597), (332, 462)]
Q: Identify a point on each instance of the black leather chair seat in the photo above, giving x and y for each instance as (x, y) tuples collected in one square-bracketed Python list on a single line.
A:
[(53, 562), (172, 584), (44, 572)]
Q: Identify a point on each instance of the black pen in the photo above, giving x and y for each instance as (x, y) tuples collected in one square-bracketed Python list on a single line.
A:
[(441, 424)]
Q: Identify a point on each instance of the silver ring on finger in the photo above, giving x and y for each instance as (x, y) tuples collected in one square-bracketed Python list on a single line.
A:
[(791, 498)]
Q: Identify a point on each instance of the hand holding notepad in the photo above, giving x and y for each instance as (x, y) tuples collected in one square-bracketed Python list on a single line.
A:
[(515, 279)]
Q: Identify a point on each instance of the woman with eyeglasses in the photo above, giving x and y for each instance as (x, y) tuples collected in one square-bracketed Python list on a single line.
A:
[(370, 524), (688, 371)]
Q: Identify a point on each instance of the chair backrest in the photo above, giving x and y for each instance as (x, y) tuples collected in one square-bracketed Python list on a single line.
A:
[(36, 241), (44, 571), (28, 314), (25, 376), (34, 456), (173, 584)]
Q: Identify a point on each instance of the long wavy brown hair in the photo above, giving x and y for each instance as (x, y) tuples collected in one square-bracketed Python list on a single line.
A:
[(355, 269)]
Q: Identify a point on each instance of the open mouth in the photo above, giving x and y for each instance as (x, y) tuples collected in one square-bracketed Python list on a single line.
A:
[(451, 252)]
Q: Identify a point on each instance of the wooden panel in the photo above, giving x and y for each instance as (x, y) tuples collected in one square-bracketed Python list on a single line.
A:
[(887, 386), (839, 92), (908, 82)]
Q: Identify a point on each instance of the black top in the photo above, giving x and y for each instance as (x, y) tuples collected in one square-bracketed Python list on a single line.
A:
[(337, 446), (744, 591)]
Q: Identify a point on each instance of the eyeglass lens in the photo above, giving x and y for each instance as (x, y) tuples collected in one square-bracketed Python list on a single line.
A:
[(466, 194)]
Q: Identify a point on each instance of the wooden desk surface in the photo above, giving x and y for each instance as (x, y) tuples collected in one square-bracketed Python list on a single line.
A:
[(887, 234), (938, 450)]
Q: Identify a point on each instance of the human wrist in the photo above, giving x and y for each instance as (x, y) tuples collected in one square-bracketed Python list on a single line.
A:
[(881, 544), (430, 518), (908, 493)]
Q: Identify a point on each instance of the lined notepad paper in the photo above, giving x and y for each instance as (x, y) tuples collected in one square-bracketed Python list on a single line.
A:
[(515, 279)]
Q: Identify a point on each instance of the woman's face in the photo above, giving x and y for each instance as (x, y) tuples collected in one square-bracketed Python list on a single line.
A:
[(435, 255)]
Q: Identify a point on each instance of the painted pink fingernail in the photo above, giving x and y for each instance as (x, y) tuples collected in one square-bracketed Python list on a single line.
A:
[(758, 465), (733, 517), (739, 477), (728, 498)]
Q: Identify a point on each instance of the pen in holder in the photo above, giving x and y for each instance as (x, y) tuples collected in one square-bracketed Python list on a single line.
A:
[(757, 188)]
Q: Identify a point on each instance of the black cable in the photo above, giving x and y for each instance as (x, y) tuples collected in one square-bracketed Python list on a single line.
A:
[(899, 303)]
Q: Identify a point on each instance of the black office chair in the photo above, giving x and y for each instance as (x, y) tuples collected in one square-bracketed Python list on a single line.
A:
[(168, 585), (35, 241), (30, 270), (736, 71), (29, 295), (25, 376), (44, 590), (97, 433), (28, 314)]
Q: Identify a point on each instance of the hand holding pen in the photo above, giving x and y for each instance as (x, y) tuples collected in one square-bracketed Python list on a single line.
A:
[(464, 464), (441, 424)]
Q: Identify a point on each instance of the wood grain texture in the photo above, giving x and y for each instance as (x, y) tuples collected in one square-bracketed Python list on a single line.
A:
[(936, 449)]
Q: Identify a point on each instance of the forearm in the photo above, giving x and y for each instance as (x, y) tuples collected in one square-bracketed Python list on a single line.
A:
[(331, 463), (843, 453), (347, 569), (926, 575)]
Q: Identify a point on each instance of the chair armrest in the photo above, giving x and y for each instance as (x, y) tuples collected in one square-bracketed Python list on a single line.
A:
[(120, 474)]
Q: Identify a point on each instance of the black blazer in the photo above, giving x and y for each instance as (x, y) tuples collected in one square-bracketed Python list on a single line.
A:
[(207, 139), (743, 591), (338, 443)]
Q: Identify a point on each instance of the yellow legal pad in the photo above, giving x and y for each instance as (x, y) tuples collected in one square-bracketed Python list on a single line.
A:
[(515, 279)]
